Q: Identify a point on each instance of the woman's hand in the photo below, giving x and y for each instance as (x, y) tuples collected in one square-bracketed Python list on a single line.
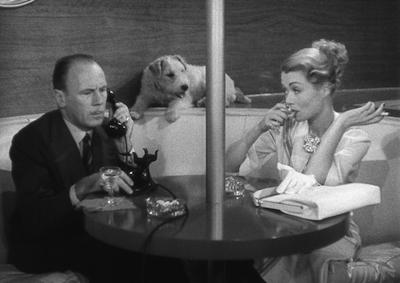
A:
[(364, 115), (274, 118)]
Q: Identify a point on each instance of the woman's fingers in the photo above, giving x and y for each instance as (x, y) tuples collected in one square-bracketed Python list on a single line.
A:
[(369, 106), (279, 106), (366, 114), (275, 117), (273, 121), (374, 116), (279, 118), (379, 110)]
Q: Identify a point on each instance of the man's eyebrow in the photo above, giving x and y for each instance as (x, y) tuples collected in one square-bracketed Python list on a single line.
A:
[(91, 89), (86, 90), (293, 83)]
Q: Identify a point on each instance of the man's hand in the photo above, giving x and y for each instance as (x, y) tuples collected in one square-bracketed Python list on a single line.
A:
[(93, 183), (294, 181), (122, 114)]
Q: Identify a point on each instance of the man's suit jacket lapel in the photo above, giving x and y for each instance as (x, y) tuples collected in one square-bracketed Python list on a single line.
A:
[(65, 152)]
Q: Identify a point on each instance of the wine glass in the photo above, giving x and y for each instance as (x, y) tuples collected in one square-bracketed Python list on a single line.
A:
[(110, 174)]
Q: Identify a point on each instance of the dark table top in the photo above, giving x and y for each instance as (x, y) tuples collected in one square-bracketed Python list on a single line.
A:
[(235, 229)]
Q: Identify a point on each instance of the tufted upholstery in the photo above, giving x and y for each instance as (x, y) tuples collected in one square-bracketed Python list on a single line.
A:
[(376, 264)]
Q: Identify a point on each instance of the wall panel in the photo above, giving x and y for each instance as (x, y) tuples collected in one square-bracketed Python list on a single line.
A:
[(125, 35)]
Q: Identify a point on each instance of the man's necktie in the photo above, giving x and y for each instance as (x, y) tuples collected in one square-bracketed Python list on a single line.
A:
[(87, 155)]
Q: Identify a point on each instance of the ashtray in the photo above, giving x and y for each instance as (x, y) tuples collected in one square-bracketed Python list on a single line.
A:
[(165, 207)]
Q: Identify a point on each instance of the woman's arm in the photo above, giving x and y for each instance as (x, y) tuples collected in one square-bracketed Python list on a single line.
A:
[(236, 153), (321, 161)]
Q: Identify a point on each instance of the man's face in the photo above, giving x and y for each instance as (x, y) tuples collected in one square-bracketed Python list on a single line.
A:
[(84, 99)]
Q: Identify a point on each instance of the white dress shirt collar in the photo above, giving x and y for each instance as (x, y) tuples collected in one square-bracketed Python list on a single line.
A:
[(77, 134)]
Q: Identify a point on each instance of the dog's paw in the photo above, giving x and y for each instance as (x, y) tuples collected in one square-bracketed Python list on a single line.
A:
[(241, 97), (171, 116), (230, 100), (136, 115), (201, 102)]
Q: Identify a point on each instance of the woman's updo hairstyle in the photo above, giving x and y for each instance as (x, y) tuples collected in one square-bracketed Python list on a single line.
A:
[(323, 62)]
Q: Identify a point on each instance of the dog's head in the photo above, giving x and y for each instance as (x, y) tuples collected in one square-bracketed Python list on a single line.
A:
[(169, 75)]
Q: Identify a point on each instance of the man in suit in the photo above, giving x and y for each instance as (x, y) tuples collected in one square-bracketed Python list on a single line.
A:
[(55, 164)]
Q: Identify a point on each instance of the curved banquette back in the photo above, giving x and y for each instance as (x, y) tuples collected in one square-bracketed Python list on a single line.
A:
[(182, 150)]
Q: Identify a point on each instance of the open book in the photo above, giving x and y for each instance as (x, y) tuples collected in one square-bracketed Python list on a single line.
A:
[(320, 202)]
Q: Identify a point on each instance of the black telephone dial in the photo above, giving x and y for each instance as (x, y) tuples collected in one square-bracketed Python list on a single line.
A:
[(112, 126)]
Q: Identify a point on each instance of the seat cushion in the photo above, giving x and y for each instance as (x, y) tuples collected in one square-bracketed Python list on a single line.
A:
[(375, 263)]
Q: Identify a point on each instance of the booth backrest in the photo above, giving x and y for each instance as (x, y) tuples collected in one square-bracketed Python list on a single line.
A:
[(182, 150), (7, 203), (8, 128)]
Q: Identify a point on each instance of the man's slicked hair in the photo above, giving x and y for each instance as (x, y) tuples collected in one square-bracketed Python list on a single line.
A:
[(63, 65)]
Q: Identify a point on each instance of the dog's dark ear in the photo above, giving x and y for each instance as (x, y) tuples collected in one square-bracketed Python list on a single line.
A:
[(182, 60), (156, 67)]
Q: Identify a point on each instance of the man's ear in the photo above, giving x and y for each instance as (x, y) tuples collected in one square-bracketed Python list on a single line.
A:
[(60, 98)]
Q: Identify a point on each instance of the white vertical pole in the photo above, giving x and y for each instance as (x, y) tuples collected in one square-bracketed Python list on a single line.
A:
[(215, 109)]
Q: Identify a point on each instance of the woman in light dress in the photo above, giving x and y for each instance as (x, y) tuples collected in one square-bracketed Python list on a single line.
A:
[(311, 144)]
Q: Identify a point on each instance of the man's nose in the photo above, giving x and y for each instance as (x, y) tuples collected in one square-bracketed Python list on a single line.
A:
[(98, 97)]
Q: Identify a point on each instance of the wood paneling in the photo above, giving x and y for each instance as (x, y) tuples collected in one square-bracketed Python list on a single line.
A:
[(125, 35)]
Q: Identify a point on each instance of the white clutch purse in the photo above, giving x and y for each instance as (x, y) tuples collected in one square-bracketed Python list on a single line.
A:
[(320, 202)]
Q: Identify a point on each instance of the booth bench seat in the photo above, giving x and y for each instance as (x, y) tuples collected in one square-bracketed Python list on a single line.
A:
[(8, 272)]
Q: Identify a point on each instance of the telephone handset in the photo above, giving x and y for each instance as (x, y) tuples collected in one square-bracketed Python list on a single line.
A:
[(112, 126)]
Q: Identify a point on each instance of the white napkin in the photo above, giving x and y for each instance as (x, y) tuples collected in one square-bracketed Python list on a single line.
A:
[(320, 202), (294, 181), (98, 204)]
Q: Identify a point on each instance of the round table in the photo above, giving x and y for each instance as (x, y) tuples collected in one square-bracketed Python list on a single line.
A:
[(235, 229)]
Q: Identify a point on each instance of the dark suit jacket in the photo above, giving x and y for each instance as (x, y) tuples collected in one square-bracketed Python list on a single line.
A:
[(45, 164)]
